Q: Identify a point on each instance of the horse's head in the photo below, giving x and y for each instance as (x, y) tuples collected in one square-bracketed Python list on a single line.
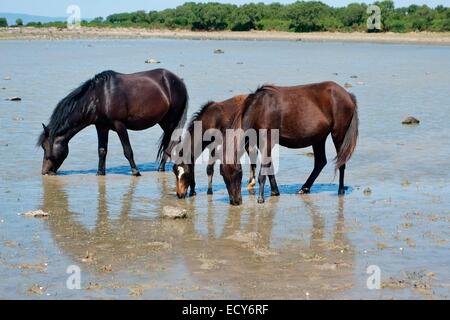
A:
[(232, 175), (56, 150), (184, 174)]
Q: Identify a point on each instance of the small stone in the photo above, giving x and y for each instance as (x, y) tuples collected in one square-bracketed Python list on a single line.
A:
[(353, 77), (218, 51), (36, 214), (171, 212), (347, 85), (335, 74), (410, 120), (7, 78), (367, 191), (405, 183), (14, 99), (154, 61)]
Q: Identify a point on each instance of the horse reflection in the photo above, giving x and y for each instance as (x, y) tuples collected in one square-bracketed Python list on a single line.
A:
[(249, 257), (245, 258)]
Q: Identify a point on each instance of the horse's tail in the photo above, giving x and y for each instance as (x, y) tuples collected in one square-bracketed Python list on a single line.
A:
[(176, 116), (351, 136)]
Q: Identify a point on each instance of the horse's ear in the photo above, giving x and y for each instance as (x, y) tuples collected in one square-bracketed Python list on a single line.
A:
[(45, 130)]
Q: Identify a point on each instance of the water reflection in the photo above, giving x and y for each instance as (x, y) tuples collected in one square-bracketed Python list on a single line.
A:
[(248, 257)]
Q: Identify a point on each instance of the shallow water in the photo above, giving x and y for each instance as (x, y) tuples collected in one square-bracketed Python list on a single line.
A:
[(312, 246)]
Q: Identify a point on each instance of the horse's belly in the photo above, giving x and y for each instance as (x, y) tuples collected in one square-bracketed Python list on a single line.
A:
[(141, 124)]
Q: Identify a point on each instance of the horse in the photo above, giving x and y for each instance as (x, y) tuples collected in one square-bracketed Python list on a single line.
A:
[(118, 102), (213, 115), (304, 115)]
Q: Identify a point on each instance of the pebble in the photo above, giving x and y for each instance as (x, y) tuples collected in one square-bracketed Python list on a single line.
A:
[(174, 212), (411, 120), (152, 61)]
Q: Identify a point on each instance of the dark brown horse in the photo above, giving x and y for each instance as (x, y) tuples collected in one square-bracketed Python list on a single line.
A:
[(116, 101), (213, 115), (305, 116)]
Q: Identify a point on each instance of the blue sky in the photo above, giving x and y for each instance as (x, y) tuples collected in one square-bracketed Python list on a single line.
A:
[(91, 8)]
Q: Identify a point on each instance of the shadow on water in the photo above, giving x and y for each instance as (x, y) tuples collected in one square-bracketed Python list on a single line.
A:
[(124, 170), (234, 258), (290, 189)]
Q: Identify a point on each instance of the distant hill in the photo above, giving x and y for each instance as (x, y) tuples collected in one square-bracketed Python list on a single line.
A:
[(11, 17)]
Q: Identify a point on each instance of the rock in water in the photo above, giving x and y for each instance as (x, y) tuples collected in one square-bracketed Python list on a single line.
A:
[(171, 212), (152, 61), (7, 78), (410, 120), (218, 51), (14, 99), (347, 85), (367, 191), (36, 214)]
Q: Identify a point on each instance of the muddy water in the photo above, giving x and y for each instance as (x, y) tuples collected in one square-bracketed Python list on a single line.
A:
[(305, 247)]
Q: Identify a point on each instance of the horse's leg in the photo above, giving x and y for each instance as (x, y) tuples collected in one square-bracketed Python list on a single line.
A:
[(252, 178), (210, 173), (262, 182), (320, 160), (127, 151), (102, 134), (273, 186), (341, 189), (337, 144)]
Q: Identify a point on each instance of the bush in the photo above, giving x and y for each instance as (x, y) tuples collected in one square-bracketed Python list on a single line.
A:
[(300, 16), (3, 22)]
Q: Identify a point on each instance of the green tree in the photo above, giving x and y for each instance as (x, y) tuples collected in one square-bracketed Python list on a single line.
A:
[(3, 22), (308, 16), (19, 22)]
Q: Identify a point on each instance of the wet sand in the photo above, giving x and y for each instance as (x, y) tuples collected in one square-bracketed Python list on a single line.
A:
[(30, 33)]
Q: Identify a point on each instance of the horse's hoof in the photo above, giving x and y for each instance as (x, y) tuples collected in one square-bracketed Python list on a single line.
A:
[(341, 192), (192, 194), (135, 173), (209, 191), (304, 191), (260, 200), (275, 194), (161, 169), (100, 173)]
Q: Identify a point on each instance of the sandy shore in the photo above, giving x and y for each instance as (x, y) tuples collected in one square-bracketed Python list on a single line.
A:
[(28, 33)]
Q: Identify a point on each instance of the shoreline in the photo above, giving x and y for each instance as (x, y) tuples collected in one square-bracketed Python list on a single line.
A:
[(52, 33)]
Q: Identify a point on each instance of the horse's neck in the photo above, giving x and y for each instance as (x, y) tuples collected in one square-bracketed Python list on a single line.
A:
[(73, 131), (196, 142)]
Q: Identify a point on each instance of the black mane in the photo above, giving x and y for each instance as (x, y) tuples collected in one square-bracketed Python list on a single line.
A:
[(197, 115), (75, 103)]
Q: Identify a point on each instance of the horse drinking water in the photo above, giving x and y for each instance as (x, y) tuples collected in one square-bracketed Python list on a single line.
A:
[(213, 115), (305, 116), (116, 101)]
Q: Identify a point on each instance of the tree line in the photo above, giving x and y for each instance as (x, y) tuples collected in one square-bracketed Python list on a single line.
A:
[(301, 16)]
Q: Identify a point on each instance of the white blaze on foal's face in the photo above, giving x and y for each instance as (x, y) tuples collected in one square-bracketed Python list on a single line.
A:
[(180, 172)]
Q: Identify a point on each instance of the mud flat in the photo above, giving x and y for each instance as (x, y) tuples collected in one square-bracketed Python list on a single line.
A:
[(31, 33)]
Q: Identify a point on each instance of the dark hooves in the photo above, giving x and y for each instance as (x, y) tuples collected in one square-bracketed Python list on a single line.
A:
[(341, 192), (100, 173), (136, 173), (304, 191), (162, 169), (209, 191), (192, 194), (275, 194), (260, 200)]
